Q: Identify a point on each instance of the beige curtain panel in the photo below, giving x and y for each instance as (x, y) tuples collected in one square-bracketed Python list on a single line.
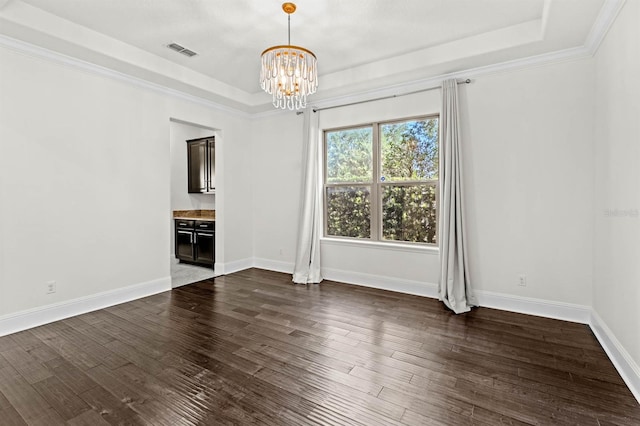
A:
[(454, 286), (307, 266)]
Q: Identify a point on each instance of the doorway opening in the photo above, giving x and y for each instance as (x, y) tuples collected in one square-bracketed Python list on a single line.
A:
[(184, 202)]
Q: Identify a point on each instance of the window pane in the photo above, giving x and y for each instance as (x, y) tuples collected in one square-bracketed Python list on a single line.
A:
[(349, 211), (349, 155), (409, 213), (409, 150)]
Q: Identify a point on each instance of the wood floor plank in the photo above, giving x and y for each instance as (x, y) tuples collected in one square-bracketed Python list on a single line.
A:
[(8, 414), (153, 388), (93, 332), (435, 406), (226, 387), (339, 397), (61, 398), (70, 375), (28, 367), (525, 406), (111, 410), (490, 417), (7, 342), (412, 418), (251, 348), (88, 418), (66, 349), (135, 397), (233, 386), (32, 407), (26, 340)]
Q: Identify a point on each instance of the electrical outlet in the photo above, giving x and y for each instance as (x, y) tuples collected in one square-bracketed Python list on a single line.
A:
[(281, 252), (522, 280), (50, 287)]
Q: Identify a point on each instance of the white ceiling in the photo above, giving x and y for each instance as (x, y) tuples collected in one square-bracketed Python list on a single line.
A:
[(361, 45)]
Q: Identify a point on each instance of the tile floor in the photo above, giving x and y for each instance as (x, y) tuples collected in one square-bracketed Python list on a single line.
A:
[(184, 273)]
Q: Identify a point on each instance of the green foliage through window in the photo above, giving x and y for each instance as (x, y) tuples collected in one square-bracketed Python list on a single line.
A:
[(350, 155), (399, 202), (349, 211), (409, 150), (409, 213)]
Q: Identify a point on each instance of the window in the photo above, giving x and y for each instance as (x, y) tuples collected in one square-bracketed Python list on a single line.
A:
[(381, 181)]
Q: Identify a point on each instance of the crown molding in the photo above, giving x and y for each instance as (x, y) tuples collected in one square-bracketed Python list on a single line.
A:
[(32, 50), (471, 73), (605, 19), (598, 32), (607, 15)]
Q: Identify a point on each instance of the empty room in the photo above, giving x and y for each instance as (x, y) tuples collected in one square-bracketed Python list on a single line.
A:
[(411, 212)]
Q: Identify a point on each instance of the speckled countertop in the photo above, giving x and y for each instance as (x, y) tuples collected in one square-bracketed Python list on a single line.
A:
[(195, 215)]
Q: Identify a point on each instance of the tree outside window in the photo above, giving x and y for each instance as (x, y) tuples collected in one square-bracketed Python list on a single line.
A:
[(381, 181)]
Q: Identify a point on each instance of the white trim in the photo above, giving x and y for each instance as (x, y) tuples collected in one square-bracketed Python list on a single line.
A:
[(273, 265), (624, 363), (621, 359), (530, 306), (380, 245), (59, 58), (606, 17), (30, 318), (234, 266), (400, 285), (273, 112), (471, 73), (506, 302), (603, 22), (192, 124)]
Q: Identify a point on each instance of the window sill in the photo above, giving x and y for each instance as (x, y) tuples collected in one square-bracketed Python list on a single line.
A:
[(391, 246)]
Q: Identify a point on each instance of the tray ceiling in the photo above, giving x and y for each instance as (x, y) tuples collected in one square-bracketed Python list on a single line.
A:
[(361, 45)]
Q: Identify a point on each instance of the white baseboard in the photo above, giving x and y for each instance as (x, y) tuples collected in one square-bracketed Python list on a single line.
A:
[(273, 265), (620, 358), (505, 302), (235, 266), (624, 363), (417, 288), (30, 318), (531, 306)]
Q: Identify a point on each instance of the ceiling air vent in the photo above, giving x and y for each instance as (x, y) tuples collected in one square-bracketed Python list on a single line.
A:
[(181, 49)]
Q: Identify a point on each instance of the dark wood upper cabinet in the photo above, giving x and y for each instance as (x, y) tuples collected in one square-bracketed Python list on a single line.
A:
[(201, 158)]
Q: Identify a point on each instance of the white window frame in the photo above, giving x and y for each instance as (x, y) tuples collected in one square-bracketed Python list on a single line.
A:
[(376, 186)]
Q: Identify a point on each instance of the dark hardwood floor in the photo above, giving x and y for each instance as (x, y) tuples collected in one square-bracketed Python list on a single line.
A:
[(251, 347)]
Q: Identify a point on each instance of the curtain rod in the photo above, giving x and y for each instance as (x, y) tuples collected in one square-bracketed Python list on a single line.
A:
[(467, 81)]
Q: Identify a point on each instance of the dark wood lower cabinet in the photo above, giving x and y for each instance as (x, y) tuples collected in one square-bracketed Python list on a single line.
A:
[(184, 245), (205, 247), (195, 241)]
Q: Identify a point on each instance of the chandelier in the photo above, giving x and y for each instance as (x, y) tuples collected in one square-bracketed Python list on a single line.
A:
[(289, 73)]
